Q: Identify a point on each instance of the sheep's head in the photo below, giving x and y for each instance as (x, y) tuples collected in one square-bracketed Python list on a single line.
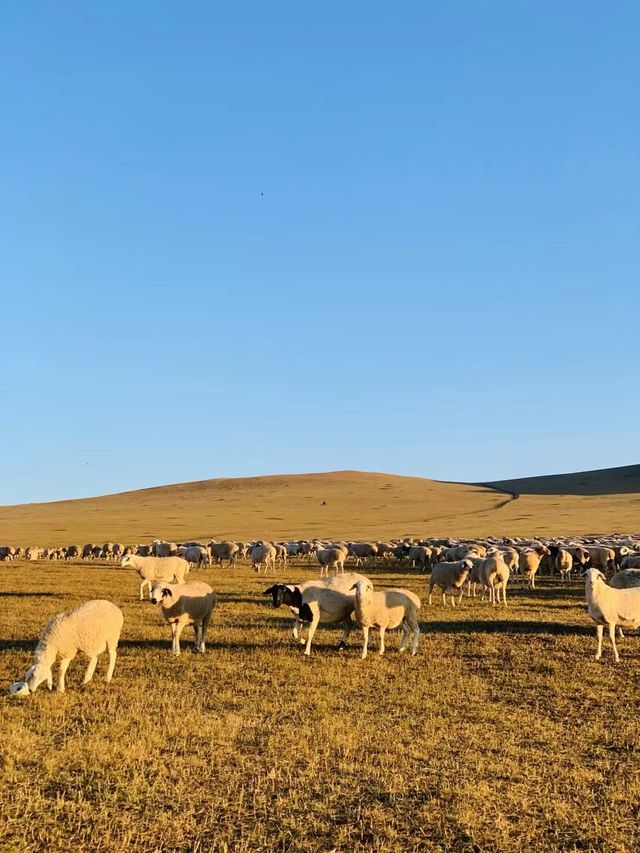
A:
[(363, 588), (159, 591), (38, 673), (276, 592), (592, 576), (126, 560)]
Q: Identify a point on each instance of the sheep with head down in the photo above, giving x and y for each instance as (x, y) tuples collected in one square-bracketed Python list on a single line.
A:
[(91, 628)]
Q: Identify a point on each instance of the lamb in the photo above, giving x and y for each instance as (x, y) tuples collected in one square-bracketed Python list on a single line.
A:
[(330, 601), (153, 569), (185, 604), (90, 628), (387, 608), (611, 607), (450, 577)]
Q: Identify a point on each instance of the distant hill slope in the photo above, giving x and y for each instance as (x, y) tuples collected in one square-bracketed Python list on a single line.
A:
[(339, 504), (605, 481)]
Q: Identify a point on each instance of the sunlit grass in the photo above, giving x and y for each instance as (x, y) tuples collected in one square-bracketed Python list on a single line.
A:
[(502, 734)]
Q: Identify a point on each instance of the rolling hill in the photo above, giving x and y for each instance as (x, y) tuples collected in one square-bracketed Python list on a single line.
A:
[(339, 504), (605, 481)]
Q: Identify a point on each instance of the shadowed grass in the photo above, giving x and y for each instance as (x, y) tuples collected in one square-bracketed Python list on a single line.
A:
[(503, 734)]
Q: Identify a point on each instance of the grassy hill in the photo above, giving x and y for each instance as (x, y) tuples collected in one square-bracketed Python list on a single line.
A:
[(340, 504), (605, 481)]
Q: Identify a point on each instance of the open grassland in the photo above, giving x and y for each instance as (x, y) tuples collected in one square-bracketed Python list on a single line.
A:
[(502, 734), (337, 505)]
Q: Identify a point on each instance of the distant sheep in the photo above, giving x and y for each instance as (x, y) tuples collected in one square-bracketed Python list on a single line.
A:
[(450, 577)]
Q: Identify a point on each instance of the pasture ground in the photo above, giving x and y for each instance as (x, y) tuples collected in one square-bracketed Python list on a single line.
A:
[(502, 734)]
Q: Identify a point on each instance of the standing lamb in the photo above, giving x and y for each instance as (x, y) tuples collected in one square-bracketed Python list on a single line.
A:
[(387, 608), (91, 628), (152, 569), (185, 604)]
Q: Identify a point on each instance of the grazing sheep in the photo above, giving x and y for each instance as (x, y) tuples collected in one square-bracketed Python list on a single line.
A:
[(387, 608), (91, 628), (601, 557), (152, 569), (611, 607), (420, 556), (7, 552), (224, 551), (195, 555), (450, 577), (262, 554), (185, 604), (362, 551)]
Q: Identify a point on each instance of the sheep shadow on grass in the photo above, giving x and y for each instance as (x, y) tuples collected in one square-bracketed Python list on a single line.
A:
[(489, 626)]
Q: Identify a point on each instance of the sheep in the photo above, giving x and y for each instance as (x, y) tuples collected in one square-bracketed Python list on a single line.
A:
[(362, 551), (529, 562), (601, 557), (626, 579), (7, 552), (450, 577), (262, 554), (420, 556), (160, 548), (195, 555), (90, 628), (224, 551), (495, 576), (330, 601), (331, 558), (631, 561), (185, 604), (611, 607), (387, 608), (153, 569), (564, 563)]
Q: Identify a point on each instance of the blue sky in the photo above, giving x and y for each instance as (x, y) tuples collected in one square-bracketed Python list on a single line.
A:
[(257, 238)]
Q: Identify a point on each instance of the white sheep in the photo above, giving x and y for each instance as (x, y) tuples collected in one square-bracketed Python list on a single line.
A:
[(91, 628), (450, 577), (564, 563), (611, 607), (495, 576), (387, 608), (185, 604), (152, 569), (331, 558)]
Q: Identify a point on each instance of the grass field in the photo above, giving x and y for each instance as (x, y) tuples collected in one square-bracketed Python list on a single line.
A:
[(337, 505), (502, 734)]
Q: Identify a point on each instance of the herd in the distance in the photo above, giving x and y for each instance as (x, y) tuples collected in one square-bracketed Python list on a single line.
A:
[(338, 596)]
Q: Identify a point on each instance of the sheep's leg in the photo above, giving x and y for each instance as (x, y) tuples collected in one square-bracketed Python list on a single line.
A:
[(90, 669), (345, 634), (612, 637), (365, 641), (312, 630), (64, 666), (381, 649), (460, 596), (430, 592), (203, 631), (142, 586), (416, 637), (113, 654), (444, 599), (296, 628), (405, 637), (599, 633), (196, 636)]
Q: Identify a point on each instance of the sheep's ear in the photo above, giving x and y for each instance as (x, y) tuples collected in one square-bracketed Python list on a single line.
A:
[(270, 591), (166, 592), (354, 586)]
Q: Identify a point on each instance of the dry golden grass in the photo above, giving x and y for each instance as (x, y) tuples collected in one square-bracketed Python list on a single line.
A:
[(502, 734), (358, 505)]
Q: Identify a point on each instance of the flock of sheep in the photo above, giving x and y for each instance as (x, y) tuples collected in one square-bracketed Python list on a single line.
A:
[(338, 596)]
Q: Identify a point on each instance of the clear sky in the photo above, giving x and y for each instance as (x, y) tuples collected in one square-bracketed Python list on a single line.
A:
[(251, 238)]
